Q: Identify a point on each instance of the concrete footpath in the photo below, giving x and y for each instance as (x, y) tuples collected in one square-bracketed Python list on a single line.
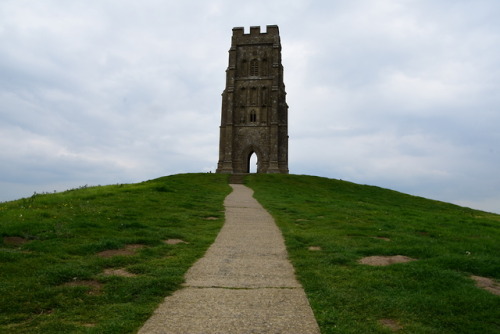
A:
[(243, 284)]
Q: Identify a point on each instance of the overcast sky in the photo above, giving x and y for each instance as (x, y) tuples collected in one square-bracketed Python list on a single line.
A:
[(401, 94)]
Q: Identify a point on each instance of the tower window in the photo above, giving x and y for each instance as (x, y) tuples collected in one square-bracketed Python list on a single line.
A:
[(254, 67), (253, 116)]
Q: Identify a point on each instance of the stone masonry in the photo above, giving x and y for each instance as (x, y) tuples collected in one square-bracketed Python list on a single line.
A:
[(254, 117)]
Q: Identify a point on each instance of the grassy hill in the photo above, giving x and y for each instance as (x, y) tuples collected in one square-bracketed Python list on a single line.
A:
[(330, 225), (100, 259), (63, 256)]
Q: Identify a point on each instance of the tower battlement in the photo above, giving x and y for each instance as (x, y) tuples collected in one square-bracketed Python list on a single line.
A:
[(255, 31), (256, 36)]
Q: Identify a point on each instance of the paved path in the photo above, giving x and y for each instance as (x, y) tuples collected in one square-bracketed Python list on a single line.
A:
[(243, 284)]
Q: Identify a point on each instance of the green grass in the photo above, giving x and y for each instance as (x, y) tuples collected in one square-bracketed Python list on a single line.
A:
[(432, 295), (66, 231)]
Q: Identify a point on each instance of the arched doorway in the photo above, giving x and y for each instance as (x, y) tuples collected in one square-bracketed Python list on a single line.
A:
[(252, 163)]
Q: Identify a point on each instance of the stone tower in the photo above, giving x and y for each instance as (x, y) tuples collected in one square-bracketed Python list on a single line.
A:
[(254, 117)]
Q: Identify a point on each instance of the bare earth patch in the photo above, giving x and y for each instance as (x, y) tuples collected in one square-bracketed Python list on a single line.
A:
[(487, 284), (126, 251), (174, 241), (118, 272), (211, 218), (89, 325), (382, 238), (385, 260), (95, 286), (14, 241), (314, 248), (391, 324)]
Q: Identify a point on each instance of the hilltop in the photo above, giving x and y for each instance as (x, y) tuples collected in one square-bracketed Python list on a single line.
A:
[(100, 259)]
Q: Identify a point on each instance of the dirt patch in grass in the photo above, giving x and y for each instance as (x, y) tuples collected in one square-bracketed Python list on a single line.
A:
[(314, 248), (14, 241), (89, 325), (95, 286), (385, 260), (174, 241), (125, 251), (211, 218), (118, 272), (382, 238), (487, 284), (392, 324)]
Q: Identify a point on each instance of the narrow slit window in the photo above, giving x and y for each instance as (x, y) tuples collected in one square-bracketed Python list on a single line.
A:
[(253, 116), (254, 67)]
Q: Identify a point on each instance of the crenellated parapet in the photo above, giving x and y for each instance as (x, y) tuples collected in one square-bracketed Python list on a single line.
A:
[(256, 36), (271, 30)]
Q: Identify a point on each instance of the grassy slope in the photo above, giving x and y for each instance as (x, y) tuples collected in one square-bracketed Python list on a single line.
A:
[(431, 295), (65, 231)]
